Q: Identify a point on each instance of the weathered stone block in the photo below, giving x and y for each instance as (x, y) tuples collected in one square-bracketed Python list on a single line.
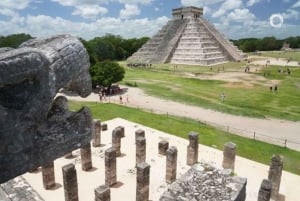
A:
[(143, 180), (116, 140), (102, 193), (104, 126), (265, 189), (192, 149), (70, 182), (163, 146), (140, 150), (35, 129), (205, 182), (274, 176), (86, 157), (229, 155), (139, 133), (96, 133), (110, 167), (171, 164), (48, 175)]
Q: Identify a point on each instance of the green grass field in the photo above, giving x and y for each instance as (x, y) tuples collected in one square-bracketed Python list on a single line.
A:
[(248, 148), (255, 101), (295, 55)]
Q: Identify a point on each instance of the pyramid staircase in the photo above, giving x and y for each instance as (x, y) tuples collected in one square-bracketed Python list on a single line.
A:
[(187, 40), (160, 46)]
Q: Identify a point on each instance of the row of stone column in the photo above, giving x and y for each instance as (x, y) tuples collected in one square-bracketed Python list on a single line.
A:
[(143, 169), (102, 193), (48, 173)]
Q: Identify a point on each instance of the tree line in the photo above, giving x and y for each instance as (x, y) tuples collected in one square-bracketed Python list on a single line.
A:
[(266, 43), (115, 48)]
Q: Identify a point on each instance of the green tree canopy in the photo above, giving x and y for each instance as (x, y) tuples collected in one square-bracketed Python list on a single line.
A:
[(106, 73), (14, 40)]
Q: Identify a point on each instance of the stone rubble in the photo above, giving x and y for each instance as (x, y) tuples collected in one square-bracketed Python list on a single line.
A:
[(204, 182)]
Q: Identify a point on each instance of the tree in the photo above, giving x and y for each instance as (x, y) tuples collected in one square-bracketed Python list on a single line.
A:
[(14, 40), (106, 73)]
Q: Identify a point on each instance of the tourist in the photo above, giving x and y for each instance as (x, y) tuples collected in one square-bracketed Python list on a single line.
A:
[(222, 96), (275, 88), (271, 88), (121, 100)]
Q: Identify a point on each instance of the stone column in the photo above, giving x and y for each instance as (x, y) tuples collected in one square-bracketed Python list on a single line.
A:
[(192, 149), (70, 182), (104, 127), (97, 133), (171, 165), (122, 130), (102, 193), (143, 180), (116, 140), (275, 173), (139, 133), (110, 167), (264, 193), (140, 150), (48, 175), (163, 147), (86, 157), (229, 155)]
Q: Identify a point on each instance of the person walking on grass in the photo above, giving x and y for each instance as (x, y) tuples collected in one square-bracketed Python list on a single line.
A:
[(222, 96), (275, 88)]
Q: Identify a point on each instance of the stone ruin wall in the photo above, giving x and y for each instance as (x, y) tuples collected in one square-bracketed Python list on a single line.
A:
[(205, 182)]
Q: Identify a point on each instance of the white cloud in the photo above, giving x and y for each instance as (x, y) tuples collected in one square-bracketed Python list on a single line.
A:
[(156, 9), (75, 3), (129, 11), (135, 1), (89, 11), (15, 4), (240, 15), (297, 4), (8, 12), (36, 26), (199, 3), (207, 10), (227, 6), (291, 14), (252, 2)]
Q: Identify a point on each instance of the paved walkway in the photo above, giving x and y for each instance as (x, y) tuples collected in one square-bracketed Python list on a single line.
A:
[(270, 130)]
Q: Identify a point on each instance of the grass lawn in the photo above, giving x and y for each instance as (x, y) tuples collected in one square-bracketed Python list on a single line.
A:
[(295, 55), (257, 101), (248, 148)]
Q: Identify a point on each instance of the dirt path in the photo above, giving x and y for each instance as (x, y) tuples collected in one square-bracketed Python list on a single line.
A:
[(270, 130)]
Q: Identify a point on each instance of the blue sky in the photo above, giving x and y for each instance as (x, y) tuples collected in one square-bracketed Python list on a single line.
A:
[(136, 18)]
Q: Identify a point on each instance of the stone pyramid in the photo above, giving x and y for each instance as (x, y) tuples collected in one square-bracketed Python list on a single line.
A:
[(188, 38)]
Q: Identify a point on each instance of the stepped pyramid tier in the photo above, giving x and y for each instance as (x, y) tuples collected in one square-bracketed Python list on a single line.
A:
[(187, 39)]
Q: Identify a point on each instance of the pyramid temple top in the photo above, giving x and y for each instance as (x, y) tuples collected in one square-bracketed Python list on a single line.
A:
[(187, 12)]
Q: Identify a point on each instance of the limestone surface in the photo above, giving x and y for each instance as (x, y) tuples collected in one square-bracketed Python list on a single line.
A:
[(205, 182), (35, 129)]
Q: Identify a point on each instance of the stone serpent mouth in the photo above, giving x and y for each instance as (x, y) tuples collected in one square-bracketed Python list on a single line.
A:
[(35, 128)]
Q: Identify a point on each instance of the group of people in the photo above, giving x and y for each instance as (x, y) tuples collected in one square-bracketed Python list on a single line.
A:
[(275, 88), (144, 65), (102, 95)]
